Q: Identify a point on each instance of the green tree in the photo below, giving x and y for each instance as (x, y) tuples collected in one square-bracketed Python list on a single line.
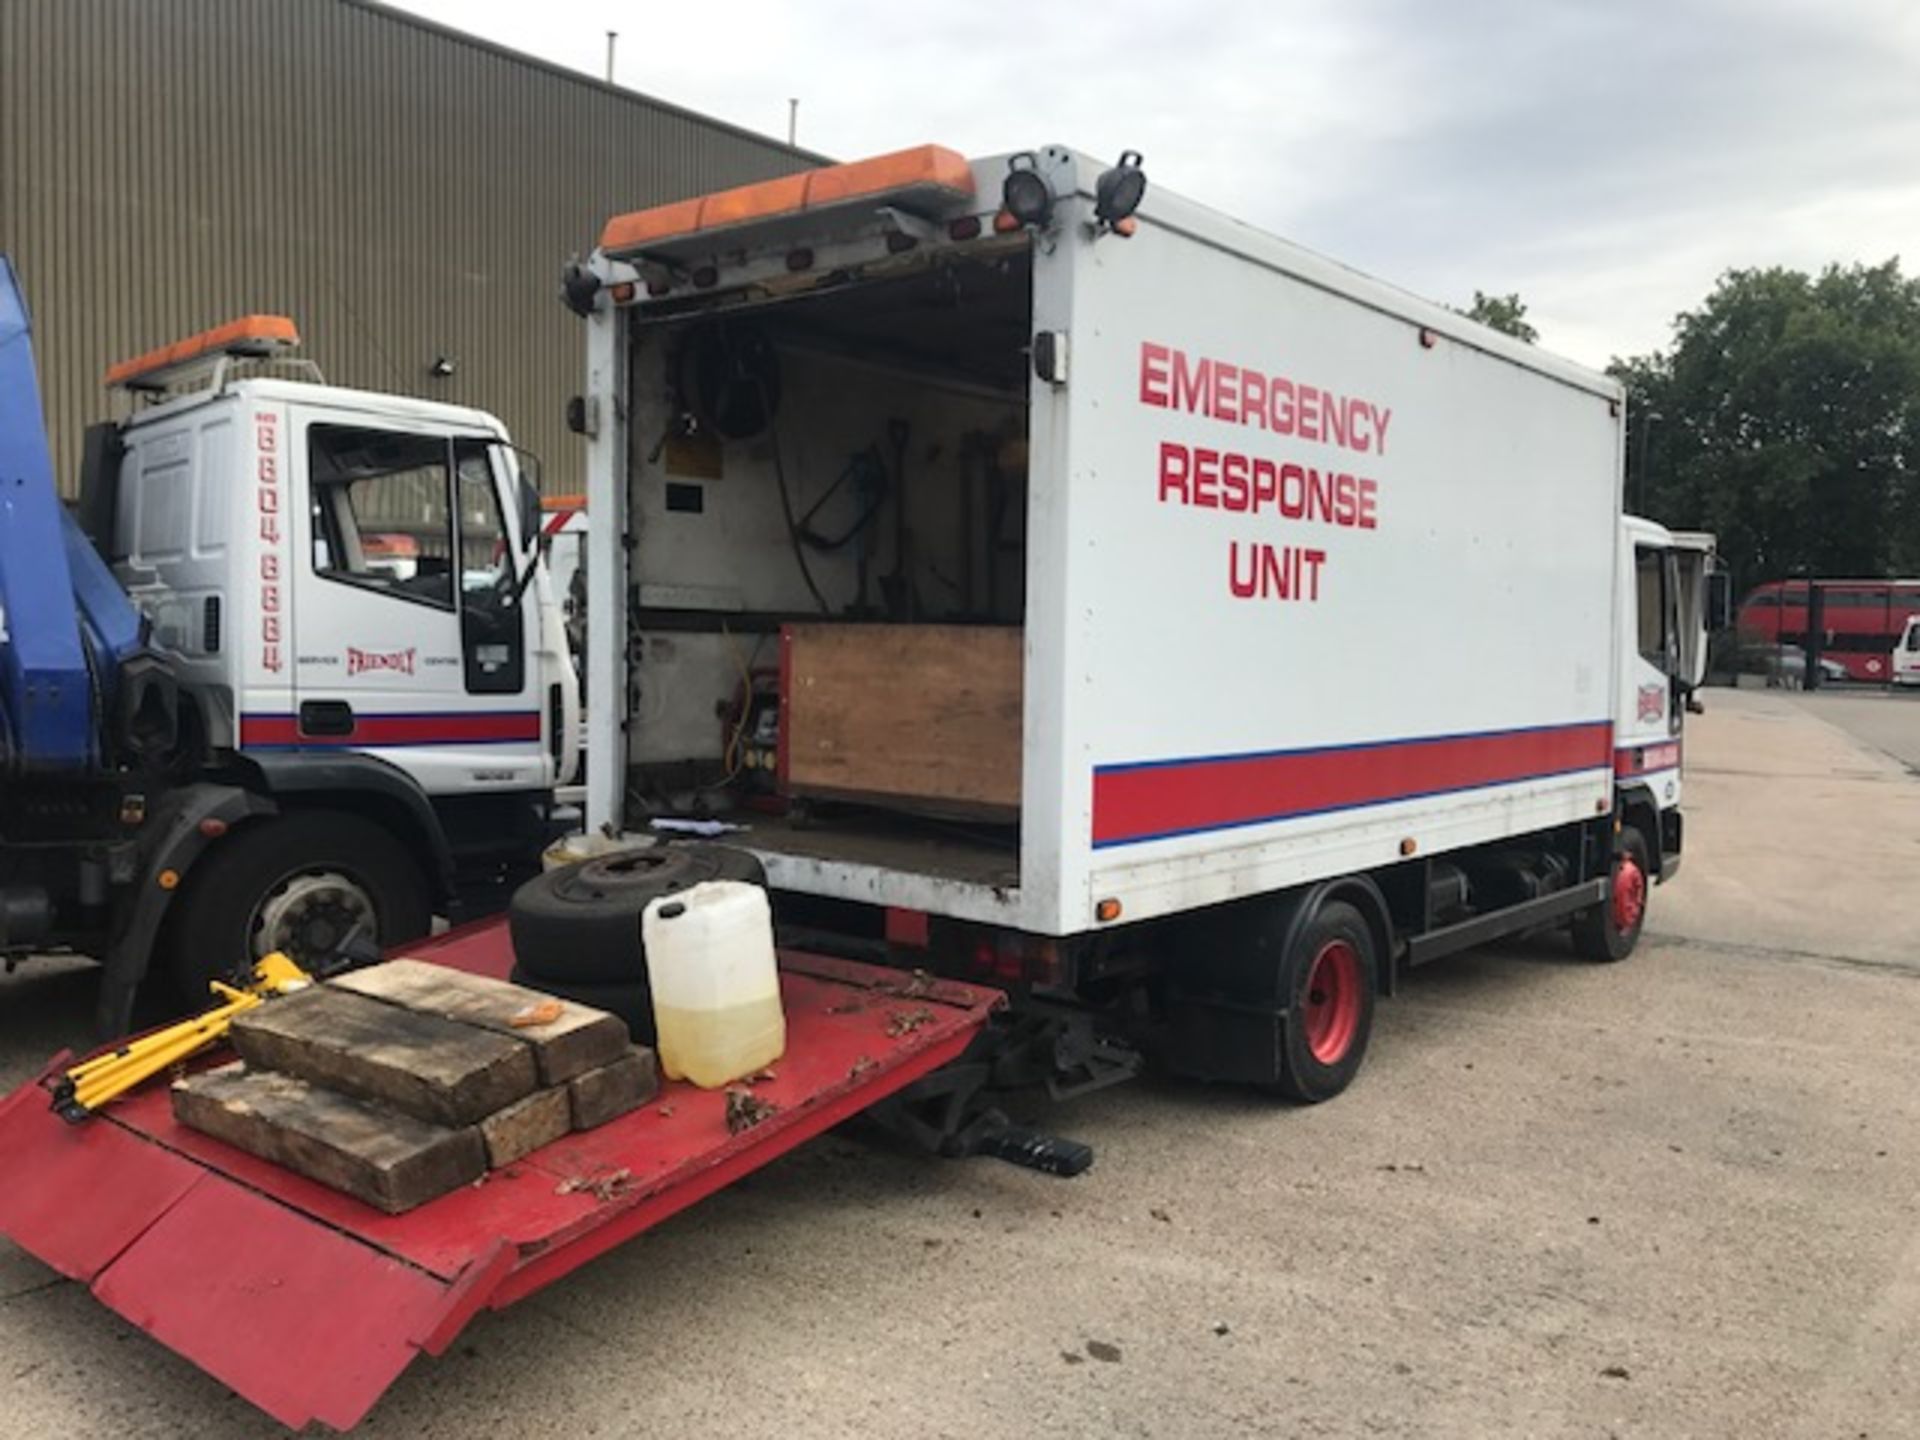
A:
[(1784, 418), (1505, 313)]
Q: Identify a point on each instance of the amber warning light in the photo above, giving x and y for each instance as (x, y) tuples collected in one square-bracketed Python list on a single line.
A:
[(251, 336), (926, 178)]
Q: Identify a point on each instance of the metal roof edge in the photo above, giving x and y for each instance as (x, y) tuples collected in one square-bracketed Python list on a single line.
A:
[(1210, 226), (342, 397), (581, 77)]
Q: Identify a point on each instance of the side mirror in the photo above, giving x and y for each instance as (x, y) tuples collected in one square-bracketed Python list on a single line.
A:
[(529, 515), (1719, 600)]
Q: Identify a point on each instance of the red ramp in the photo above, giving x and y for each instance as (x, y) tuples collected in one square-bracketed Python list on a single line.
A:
[(309, 1303)]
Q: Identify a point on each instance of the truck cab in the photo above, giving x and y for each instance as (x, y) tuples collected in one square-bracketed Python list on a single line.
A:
[(1672, 596), (368, 698), (341, 571)]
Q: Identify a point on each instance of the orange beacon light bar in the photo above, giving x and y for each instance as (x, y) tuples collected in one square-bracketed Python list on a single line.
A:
[(927, 175), (255, 336)]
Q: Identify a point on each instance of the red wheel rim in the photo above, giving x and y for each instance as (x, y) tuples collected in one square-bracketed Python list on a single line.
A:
[(1629, 894), (1332, 1001)]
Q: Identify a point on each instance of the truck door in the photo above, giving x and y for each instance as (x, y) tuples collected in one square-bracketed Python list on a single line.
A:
[(412, 638), (1652, 699), (1906, 654), (1703, 604)]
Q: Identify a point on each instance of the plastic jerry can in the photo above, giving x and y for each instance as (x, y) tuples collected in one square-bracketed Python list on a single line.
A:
[(716, 986)]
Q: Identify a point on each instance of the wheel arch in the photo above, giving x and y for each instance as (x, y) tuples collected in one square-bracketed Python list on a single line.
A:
[(1635, 806), (199, 816), (1364, 895), (372, 789)]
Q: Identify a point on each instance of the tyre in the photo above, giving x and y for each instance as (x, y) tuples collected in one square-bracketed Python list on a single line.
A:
[(1608, 931), (632, 1003), (301, 883), (1327, 985), (581, 923)]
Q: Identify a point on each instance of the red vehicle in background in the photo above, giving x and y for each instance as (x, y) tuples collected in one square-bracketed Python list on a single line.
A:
[(1862, 621)]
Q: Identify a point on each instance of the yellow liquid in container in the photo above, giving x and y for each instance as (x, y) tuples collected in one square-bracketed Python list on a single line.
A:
[(713, 1047), (716, 982)]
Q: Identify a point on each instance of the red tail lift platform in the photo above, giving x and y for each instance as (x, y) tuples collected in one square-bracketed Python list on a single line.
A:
[(309, 1303)]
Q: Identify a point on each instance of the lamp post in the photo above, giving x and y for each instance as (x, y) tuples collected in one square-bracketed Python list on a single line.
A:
[(1648, 420)]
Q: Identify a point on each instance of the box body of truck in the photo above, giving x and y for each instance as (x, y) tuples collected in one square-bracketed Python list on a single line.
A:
[(1309, 576)]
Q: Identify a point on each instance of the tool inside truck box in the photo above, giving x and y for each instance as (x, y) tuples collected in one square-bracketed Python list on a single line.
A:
[(833, 560)]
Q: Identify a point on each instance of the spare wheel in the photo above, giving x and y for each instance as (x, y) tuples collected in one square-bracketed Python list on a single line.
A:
[(582, 921)]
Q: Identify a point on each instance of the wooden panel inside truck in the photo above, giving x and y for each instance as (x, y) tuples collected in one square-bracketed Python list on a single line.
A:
[(923, 717)]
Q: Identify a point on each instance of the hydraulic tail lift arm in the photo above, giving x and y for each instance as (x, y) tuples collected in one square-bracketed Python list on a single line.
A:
[(309, 1303)]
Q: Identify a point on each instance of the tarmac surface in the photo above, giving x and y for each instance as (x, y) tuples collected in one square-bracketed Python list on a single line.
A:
[(1885, 719), (1674, 1197)]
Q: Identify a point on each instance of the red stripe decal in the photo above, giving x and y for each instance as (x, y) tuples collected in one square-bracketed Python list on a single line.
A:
[(1640, 759), (1152, 801), (259, 730), (481, 728)]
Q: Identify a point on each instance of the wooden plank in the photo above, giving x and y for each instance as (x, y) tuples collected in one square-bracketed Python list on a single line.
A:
[(577, 1039), (924, 715), (391, 1161), (421, 1065), (612, 1090), (524, 1126)]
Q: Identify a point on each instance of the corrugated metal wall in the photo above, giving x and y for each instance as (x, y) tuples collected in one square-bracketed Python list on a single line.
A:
[(403, 192)]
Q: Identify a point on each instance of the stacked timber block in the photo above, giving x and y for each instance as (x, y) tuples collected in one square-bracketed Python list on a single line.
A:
[(407, 1080)]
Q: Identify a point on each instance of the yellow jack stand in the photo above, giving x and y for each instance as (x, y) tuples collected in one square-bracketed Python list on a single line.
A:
[(79, 1093)]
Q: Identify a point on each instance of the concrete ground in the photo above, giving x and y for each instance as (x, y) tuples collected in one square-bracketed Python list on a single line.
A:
[(1884, 719), (1676, 1197)]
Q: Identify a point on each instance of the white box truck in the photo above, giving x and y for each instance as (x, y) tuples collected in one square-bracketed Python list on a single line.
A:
[(1332, 651), (1066, 588)]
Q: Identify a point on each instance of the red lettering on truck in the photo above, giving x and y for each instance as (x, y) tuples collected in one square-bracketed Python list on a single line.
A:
[(1246, 484), (1206, 477), (1234, 493), (1238, 394), (1258, 571), (1226, 392), (266, 504), (1153, 374), (1191, 384), (1253, 397), (1266, 483)]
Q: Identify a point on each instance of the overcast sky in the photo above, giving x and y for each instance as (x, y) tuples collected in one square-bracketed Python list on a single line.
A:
[(1605, 158)]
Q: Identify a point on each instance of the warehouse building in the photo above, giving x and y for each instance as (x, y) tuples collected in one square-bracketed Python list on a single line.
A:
[(405, 192)]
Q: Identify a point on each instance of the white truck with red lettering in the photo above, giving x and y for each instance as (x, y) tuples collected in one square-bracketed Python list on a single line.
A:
[(1334, 651), (360, 698)]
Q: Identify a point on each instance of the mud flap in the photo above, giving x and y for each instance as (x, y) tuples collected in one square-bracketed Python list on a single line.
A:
[(1227, 1041)]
